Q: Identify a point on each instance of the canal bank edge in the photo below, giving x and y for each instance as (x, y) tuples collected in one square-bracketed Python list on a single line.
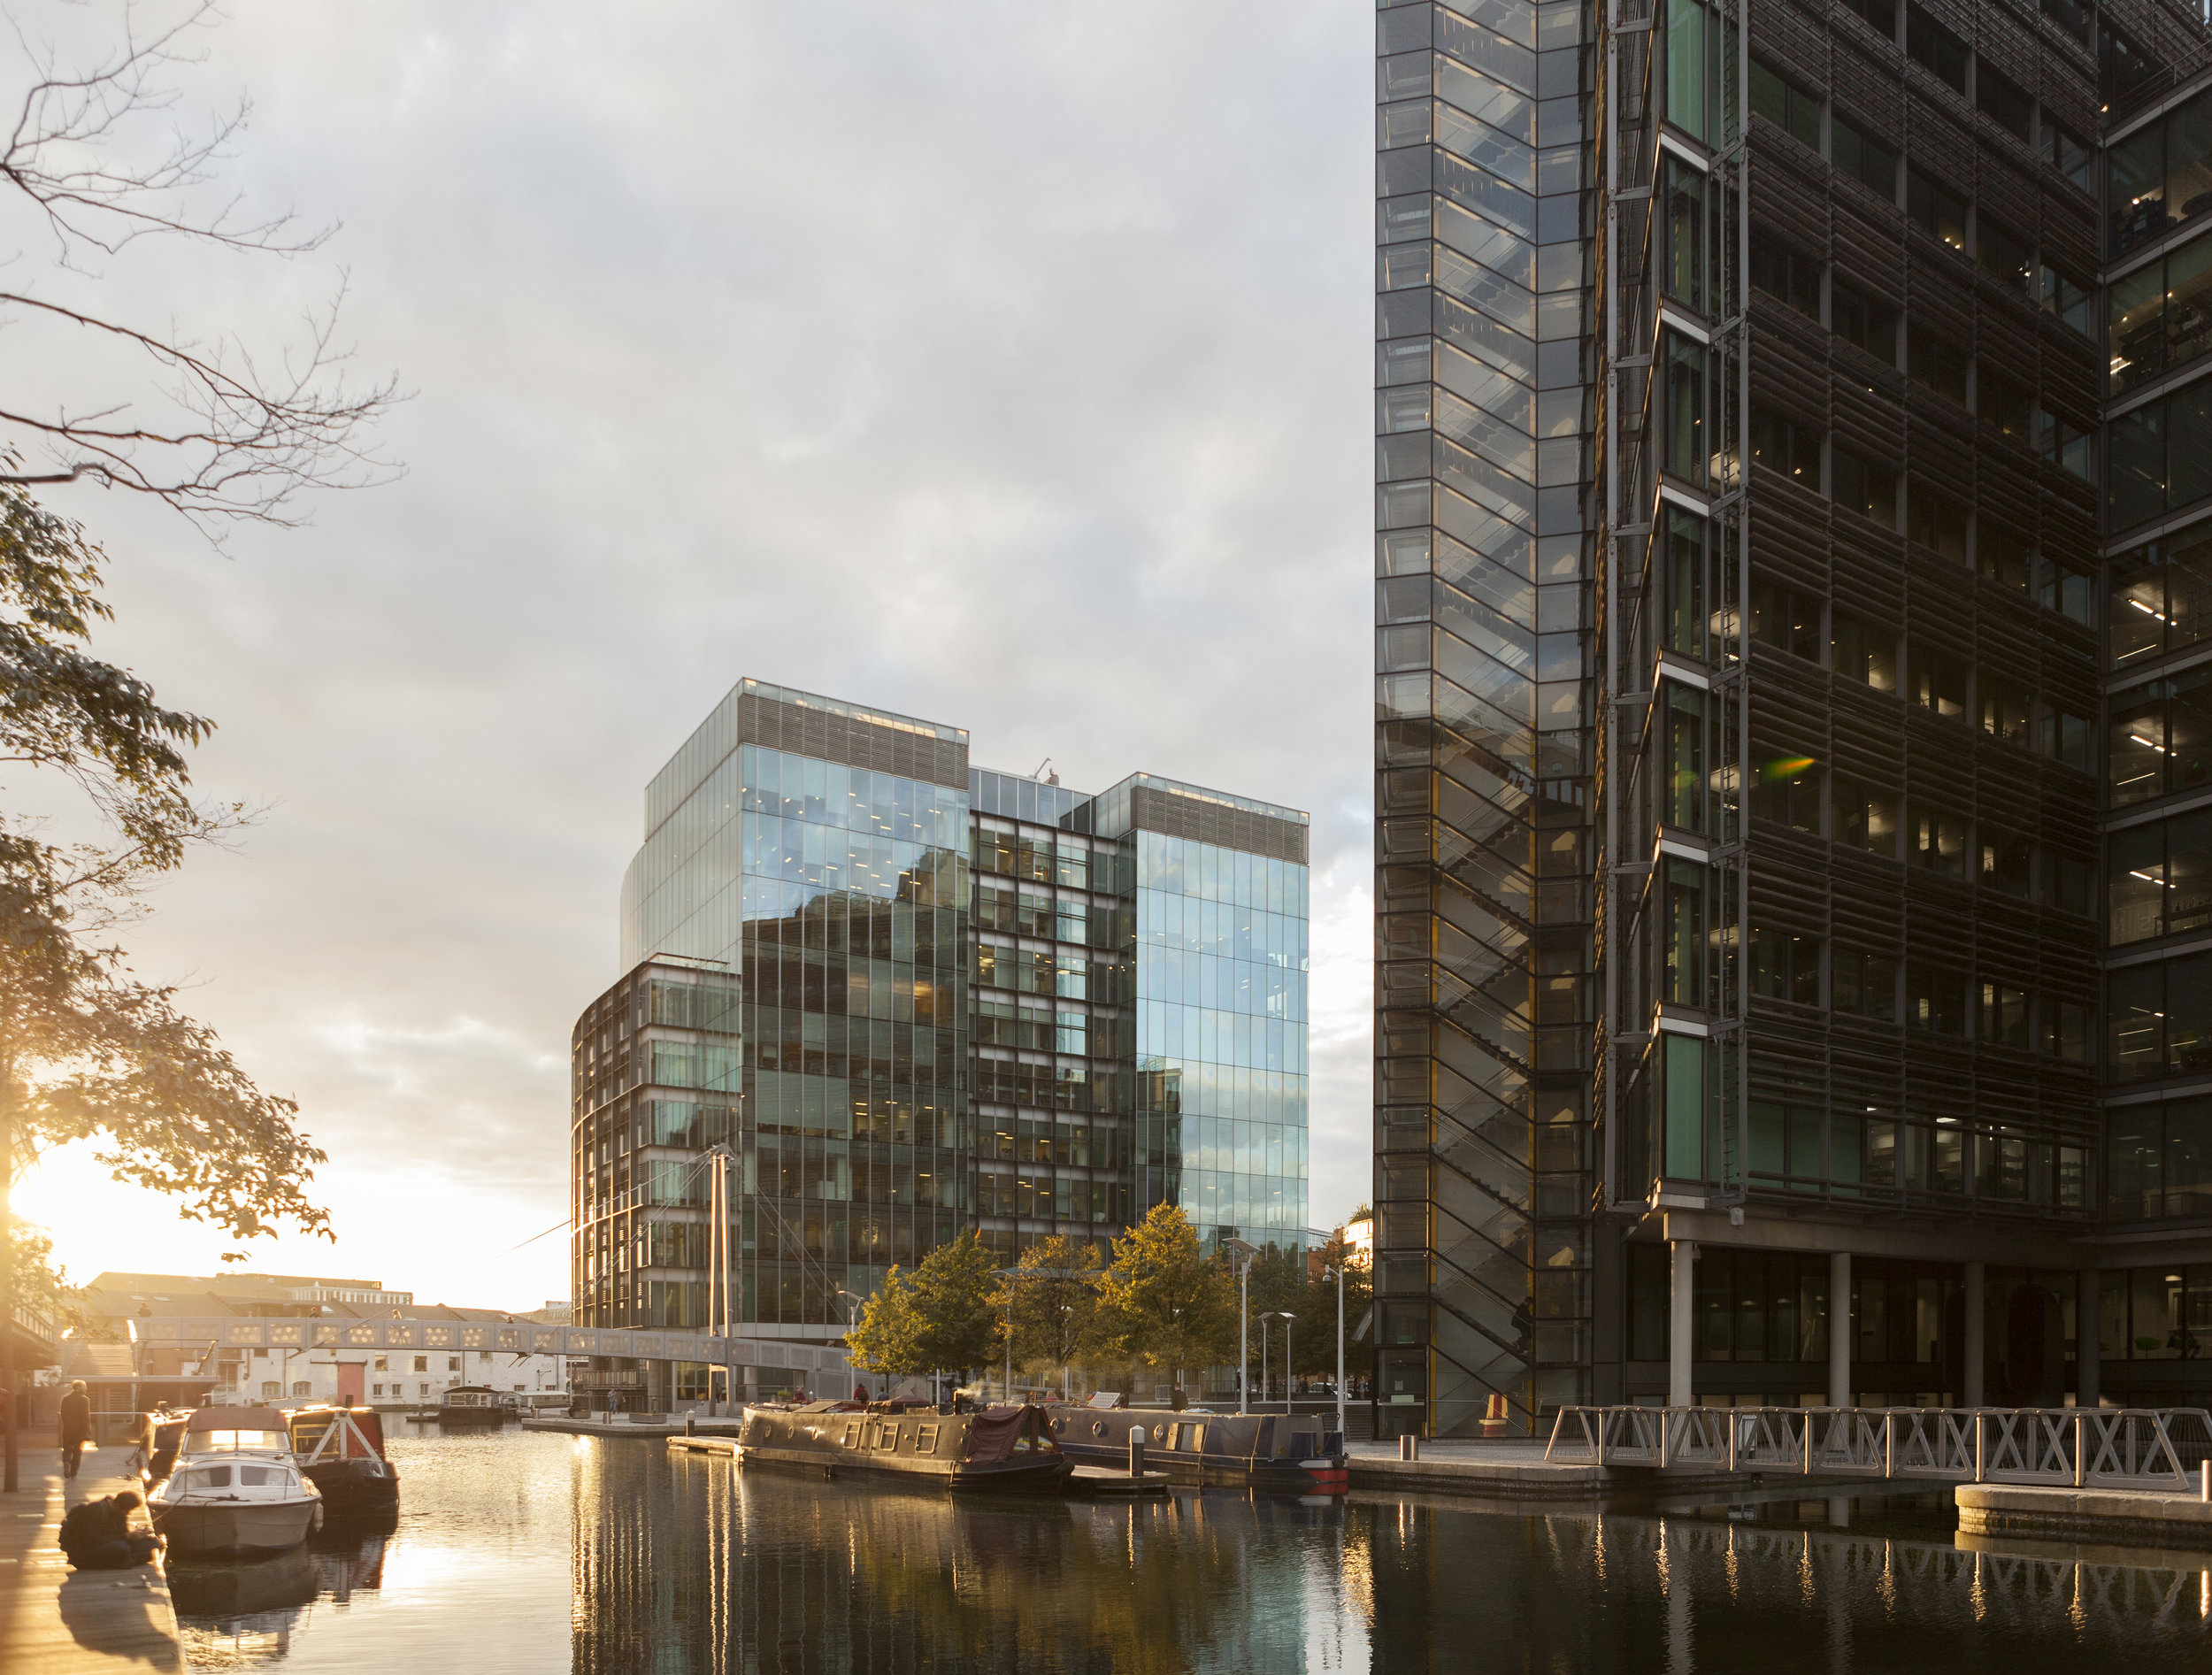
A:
[(53, 1618), (2129, 1517)]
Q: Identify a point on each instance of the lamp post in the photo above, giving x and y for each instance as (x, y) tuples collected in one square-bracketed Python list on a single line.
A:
[(1265, 1318), (1339, 1273), (852, 1320), (1288, 1318), (1243, 1251)]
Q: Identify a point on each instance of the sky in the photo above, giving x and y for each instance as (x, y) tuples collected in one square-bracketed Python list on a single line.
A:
[(1003, 364)]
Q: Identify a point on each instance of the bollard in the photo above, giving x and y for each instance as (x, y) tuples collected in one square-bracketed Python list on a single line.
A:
[(688, 1430), (1136, 1451), (2204, 1484), (2081, 1451)]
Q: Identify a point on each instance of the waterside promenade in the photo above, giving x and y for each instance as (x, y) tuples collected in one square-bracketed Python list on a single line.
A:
[(54, 1620)]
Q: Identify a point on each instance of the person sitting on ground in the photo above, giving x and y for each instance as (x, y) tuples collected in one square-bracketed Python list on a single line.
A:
[(97, 1535)]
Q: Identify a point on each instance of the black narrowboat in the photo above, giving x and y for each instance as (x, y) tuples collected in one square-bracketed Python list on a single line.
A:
[(1008, 1449), (1263, 1451)]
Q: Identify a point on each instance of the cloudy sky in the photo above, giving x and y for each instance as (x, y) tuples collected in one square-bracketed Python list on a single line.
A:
[(1001, 364)]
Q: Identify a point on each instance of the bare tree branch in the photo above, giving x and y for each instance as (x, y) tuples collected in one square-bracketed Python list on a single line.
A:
[(232, 441)]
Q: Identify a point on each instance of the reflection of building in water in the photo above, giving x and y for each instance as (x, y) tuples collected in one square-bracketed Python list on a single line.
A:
[(734, 1570), (915, 998), (1721, 1591)]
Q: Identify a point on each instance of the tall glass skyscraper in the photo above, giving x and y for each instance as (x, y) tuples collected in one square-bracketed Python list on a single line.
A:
[(915, 998), (1788, 553)]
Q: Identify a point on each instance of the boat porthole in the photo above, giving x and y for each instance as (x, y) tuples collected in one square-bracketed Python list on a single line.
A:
[(1098, 1427)]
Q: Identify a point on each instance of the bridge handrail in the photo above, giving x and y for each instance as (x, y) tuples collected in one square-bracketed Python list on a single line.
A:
[(2081, 1447)]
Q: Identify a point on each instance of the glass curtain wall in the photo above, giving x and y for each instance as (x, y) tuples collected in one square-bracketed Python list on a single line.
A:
[(1221, 964), (1482, 422), (854, 1142)]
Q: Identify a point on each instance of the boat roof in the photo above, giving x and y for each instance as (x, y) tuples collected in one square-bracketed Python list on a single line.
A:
[(235, 1420)]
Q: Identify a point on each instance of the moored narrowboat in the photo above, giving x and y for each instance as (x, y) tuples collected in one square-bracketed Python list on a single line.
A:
[(1267, 1451), (1009, 1449), (470, 1404), (342, 1450)]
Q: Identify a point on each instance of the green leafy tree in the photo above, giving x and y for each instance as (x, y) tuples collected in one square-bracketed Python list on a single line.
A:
[(89, 1052), (1164, 1302), (936, 1318), (1055, 1305)]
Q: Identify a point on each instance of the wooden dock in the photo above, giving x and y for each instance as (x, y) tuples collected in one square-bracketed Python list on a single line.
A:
[(1087, 1482), (53, 1618)]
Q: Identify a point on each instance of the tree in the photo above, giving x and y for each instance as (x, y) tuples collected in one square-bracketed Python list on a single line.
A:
[(87, 1052), (1162, 1302), (99, 155), (935, 1318), (1053, 1308)]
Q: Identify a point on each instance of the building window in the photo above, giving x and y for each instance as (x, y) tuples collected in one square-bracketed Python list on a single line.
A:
[(2003, 1020), (2161, 737), (1936, 521), (2067, 155), (1787, 620), (422, 1365), (1693, 48), (1936, 681), (2161, 596), (2159, 879), (1935, 49), (1685, 447), (1865, 651), (1935, 999), (1685, 745), (2066, 1030), (1864, 487), (1864, 158), (1938, 362), (1791, 108), (1936, 841), (2158, 1164), (1782, 446), (1934, 211), (1866, 819), (2003, 102), (1685, 956), (2157, 317), (2160, 175), (1862, 321), (270, 1387), (2158, 1018), (1788, 276), (1788, 792), (1785, 967), (2068, 298), (1684, 556), (1683, 262), (1863, 984), (301, 1386), (1999, 554)]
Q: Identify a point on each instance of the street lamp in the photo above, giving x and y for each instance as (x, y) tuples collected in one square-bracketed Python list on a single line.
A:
[(1265, 1318), (1242, 1250), (853, 1300), (1338, 1273), (1288, 1318)]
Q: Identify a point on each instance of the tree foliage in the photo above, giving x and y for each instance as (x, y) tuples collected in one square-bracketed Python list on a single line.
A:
[(1291, 1281), (937, 1318), (1164, 1302), (89, 1052), (1055, 1305)]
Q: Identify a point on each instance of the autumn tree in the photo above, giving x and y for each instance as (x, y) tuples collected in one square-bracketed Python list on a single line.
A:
[(937, 1319), (1051, 1297), (1164, 1302)]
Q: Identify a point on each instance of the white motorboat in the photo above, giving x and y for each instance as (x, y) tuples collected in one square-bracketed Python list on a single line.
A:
[(237, 1490)]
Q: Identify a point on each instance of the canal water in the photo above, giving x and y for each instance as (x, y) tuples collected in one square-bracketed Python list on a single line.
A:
[(541, 1553)]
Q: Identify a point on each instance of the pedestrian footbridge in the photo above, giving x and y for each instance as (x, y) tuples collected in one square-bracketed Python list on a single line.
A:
[(2142, 1449), (519, 1337)]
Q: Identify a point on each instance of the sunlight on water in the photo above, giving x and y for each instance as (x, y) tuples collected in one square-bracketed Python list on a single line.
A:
[(539, 1553)]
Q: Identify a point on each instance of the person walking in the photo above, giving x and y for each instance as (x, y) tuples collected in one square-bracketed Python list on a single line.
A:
[(76, 1427)]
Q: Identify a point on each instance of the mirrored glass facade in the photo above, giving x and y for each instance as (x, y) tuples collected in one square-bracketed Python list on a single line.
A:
[(915, 999), (1789, 766)]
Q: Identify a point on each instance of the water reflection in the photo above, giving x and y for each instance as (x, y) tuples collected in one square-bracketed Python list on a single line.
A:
[(248, 1611), (539, 1552)]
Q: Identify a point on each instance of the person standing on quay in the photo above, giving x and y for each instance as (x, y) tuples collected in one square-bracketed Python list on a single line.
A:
[(76, 1427)]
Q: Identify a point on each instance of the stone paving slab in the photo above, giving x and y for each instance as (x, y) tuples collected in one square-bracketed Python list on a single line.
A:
[(53, 1619)]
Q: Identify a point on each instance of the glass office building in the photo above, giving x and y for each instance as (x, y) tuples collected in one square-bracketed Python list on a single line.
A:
[(1791, 971), (915, 998)]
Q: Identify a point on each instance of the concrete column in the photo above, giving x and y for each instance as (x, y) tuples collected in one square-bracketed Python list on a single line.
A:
[(1682, 1321), (1976, 1336), (2088, 1363), (1840, 1329)]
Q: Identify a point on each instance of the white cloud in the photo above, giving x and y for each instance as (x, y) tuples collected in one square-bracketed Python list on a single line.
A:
[(1003, 364)]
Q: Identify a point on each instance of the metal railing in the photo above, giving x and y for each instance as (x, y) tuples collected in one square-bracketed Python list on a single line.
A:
[(2076, 1448)]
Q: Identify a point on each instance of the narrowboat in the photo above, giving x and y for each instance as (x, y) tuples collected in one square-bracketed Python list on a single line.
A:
[(1263, 1451), (467, 1404), (342, 1450), (236, 1492), (1008, 1449), (157, 1447)]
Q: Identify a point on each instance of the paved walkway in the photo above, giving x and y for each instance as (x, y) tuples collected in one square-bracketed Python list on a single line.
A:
[(54, 1620)]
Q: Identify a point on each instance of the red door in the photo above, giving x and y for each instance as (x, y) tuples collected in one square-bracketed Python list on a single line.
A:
[(351, 1386)]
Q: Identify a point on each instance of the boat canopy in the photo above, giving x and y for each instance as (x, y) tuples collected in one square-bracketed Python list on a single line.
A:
[(999, 1433), (235, 1420)]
